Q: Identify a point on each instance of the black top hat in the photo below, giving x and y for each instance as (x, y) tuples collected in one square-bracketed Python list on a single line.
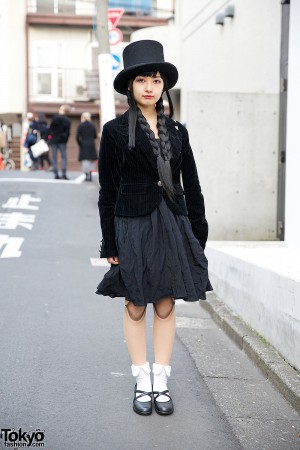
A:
[(144, 56)]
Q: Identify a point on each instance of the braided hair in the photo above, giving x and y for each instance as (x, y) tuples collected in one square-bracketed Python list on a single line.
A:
[(162, 147)]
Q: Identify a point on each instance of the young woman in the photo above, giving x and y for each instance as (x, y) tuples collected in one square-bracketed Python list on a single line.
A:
[(154, 233)]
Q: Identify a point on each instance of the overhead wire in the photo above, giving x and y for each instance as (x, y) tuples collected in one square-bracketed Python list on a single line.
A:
[(206, 20)]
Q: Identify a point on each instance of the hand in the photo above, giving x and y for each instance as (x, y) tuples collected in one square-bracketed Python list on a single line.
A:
[(113, 260)]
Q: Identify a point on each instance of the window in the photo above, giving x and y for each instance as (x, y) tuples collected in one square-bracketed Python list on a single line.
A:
[(48, 70), (45, 6), (55, 6)]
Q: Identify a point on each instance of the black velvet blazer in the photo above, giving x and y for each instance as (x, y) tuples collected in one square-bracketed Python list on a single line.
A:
[(129, 180)]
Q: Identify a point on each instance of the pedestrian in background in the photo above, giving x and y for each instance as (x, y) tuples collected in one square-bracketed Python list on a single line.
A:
[(30, 140), (41, 128), (85, 137), (38, 129), (59, 133), (154, 232)]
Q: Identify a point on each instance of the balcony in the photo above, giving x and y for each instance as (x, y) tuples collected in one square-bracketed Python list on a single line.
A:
[(77, 87), (71, 7), (88, 7)]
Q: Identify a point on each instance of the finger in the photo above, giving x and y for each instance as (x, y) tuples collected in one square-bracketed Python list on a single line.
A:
[(113, 260)]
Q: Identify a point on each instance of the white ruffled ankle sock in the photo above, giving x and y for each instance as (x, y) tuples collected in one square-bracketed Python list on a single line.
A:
[(143, 380), (160, 380)]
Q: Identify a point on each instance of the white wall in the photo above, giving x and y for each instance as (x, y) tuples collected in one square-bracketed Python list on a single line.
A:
[(230, 104), (292, 211), (13, 57), (261, 283)]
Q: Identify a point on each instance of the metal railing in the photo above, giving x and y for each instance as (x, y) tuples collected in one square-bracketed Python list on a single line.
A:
[(65, 85), (73, 7), (61, 84), (88, 7)]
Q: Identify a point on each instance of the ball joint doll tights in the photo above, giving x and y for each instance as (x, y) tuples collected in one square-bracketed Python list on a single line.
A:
[(163, 337), (163, 331)]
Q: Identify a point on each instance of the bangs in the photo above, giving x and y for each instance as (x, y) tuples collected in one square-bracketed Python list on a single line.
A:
[(152, 74)]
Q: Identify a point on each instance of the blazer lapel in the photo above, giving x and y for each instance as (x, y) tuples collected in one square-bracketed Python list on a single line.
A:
[(143, 143)]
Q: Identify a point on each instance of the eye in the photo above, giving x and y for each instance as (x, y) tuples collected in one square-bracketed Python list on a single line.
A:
[(158, 81), (139, 80)]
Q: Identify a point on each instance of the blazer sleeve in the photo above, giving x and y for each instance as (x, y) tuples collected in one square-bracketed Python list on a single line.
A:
[(192, 189), (109, 179)]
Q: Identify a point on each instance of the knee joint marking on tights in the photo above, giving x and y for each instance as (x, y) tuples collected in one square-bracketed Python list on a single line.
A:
[(164, 316), (135, 315)]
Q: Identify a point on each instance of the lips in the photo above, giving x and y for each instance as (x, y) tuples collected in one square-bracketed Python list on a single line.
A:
[(148, 96)]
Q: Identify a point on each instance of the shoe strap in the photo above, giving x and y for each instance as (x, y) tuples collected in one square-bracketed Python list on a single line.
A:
[(142, 394), (158, 394)]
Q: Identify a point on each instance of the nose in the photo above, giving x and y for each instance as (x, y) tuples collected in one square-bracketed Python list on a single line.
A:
[(148, 85)]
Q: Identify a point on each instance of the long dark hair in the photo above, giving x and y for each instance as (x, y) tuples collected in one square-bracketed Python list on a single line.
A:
[(162, 148)]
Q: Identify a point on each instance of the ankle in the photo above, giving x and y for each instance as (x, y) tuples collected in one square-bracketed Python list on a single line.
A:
[(161, 374), (143, 379)]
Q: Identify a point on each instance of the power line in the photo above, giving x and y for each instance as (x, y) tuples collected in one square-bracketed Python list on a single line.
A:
[(198, 13), (206, 20)]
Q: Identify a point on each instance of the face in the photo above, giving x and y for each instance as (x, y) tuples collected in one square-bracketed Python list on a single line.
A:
[(147, 90)]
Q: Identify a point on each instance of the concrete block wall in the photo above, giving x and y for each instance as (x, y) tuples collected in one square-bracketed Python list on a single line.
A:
[(230, 104), (236, 151), (261, 283)]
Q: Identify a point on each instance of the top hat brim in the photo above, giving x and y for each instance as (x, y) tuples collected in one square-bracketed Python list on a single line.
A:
[(167, 69)]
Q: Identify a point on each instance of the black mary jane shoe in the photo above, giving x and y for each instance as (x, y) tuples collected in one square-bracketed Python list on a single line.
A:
[(143, 408), (163, 408)]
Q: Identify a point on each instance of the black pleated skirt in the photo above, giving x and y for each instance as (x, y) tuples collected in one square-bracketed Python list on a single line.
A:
[(159, 256)]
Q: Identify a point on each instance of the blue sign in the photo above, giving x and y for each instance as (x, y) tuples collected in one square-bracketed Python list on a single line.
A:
[(141, 6), (116, 61)]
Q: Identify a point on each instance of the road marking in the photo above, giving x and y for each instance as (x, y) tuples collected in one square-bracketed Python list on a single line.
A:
[(99, 262), (21, 202), (195, 323), (11, 246), (180, 302), (10, 221), (77, 180)]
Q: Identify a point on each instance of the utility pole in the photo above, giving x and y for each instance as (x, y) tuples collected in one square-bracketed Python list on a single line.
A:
[(107, 101)]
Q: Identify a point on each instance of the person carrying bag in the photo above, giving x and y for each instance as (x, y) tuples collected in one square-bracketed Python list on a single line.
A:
[(40, 147)]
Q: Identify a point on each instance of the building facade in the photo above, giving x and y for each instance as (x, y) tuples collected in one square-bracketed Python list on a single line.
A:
[(57, 48), (230, 102), (62, 55)]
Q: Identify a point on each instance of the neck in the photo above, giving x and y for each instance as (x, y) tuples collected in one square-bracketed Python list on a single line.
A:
[(149, 113)]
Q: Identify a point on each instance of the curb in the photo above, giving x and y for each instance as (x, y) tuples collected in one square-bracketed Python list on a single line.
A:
[(283, 376)]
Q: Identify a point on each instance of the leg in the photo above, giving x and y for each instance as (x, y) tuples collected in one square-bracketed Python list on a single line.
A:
[(135, 332), (135, 335), (63, 150), (47, 158), (164, 330), (163, 336), (33, 159), (54, 159)]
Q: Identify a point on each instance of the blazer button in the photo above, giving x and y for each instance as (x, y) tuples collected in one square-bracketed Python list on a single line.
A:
[(159, 183)]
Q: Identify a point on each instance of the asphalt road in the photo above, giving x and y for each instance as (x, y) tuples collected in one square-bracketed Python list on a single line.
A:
[(64, 363)]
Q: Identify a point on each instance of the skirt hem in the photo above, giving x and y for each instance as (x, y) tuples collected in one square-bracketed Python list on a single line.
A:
[(110, 294)]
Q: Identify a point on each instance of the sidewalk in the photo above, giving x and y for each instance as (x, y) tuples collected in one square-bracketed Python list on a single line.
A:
[(258, 414)]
